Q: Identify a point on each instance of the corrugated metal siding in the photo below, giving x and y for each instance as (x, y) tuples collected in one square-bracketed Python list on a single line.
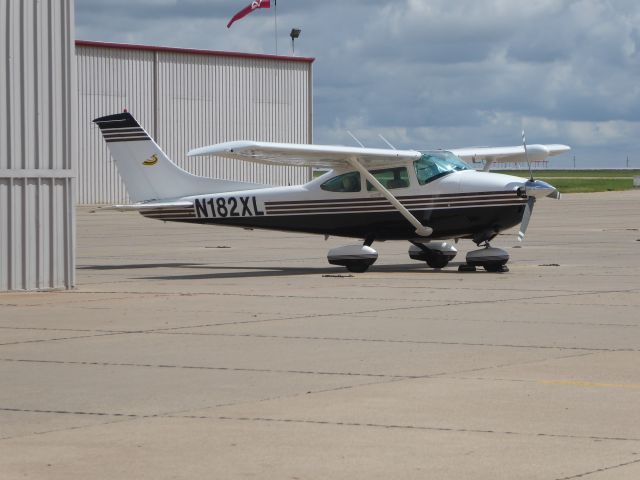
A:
[(108, 81), (37, 145), (188, 100)]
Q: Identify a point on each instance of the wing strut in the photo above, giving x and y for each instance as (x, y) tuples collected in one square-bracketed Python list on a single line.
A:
[(421, 230), (487, 164)]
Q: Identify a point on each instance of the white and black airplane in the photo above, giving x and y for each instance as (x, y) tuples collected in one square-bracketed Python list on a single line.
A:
[(424, 197)]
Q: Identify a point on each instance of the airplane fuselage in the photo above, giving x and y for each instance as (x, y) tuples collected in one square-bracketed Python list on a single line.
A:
[(459, 204)]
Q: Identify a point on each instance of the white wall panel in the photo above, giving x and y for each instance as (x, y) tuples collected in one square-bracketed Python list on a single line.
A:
[(37, 144), (186, 99)]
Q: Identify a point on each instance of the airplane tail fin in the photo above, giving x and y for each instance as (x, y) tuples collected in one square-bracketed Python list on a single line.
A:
[(148, 174)]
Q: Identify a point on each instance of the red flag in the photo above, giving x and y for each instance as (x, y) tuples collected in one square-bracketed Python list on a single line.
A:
[(248, 9)]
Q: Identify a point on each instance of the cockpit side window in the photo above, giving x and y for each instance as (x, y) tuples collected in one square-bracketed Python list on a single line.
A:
[(348, 182), (435, 165), (391, 178)]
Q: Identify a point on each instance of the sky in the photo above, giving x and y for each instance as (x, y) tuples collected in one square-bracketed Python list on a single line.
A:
[(430, 73)]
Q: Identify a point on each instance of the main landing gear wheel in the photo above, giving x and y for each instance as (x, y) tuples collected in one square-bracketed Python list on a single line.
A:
[(435, 254), (496, 267), (355, 258), (437, 260), (358, 266)]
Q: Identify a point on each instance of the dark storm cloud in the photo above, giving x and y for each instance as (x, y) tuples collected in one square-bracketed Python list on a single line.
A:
[(464, 72)]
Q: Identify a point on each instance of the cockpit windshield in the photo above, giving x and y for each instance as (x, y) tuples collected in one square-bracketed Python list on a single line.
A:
[(434, 165)]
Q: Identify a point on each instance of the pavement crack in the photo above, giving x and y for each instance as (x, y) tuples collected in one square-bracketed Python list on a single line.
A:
[(412, 427), (205, 367), (384, 310), (600, 470), (71, 412), (43, 340), (384, 340)]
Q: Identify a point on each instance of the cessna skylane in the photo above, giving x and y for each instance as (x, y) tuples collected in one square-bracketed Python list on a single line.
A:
[(423, 197)]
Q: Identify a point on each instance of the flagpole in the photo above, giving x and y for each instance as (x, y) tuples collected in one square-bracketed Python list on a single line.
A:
[(275, 3)]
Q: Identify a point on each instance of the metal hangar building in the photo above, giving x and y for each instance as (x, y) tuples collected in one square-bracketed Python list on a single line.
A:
[(53, 158), (186, 99), (38, 145)]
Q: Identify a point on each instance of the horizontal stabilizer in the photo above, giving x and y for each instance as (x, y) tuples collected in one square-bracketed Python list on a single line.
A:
[(141, 207)]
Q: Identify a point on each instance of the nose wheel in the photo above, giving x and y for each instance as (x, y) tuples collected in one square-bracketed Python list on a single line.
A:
[(492, 259)]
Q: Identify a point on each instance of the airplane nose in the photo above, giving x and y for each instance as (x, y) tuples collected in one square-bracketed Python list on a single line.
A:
[(539, 189)]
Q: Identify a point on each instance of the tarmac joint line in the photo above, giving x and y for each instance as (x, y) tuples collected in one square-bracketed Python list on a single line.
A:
[(205, 367), (345, 424), (409, 427), (587, 384), (600, 470)]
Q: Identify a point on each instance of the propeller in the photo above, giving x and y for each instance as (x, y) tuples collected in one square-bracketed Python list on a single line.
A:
[(533, 189), (528, 210)]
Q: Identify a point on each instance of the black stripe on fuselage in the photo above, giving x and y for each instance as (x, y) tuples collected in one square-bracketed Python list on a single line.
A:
[(388, 207), (499, 193), (464, 221), (376, 201), (167, 213)]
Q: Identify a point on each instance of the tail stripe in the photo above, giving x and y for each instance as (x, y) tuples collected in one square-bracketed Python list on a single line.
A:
[(128, 134), (120, 130), (127, 139)]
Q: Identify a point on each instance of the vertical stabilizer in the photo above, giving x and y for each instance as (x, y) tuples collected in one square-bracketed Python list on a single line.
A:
[(146, 171)]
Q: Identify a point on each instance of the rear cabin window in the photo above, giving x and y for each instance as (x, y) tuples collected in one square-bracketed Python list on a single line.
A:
[(391, 178), (348, 182)]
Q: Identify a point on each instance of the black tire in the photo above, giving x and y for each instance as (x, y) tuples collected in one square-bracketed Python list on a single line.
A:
[(437, 261), (358, 267), (495, 267)]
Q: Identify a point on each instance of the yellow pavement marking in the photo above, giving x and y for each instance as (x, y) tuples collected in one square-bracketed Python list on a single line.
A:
[(582, 383)]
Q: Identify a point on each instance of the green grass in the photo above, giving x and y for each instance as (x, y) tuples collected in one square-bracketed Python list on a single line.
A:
[(584, 185), (582, 181), (573, 173)]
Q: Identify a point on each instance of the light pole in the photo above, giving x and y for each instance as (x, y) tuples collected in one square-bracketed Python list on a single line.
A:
[(295, 33)]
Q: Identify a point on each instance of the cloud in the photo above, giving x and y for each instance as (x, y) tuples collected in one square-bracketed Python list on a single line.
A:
[(433, 73)]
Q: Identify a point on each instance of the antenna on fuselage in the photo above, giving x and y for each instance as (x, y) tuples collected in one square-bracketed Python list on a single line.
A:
[(356, 139), (387, 142)]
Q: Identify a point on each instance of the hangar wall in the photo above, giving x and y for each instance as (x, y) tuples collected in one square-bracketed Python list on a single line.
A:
[(37, 144), (186, 99)]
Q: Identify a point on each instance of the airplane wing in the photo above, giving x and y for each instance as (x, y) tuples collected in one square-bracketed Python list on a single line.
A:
[(306, 155), (516, 154)]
